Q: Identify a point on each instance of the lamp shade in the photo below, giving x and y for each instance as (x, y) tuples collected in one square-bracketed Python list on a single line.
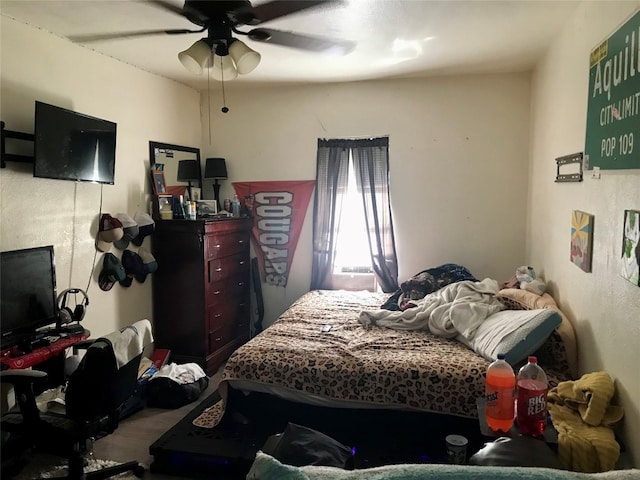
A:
[(215, 168), (195, 57), (188, 170), (245, 58), (223, 68)]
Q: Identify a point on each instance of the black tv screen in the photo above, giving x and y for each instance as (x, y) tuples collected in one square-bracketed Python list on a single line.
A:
[(73, 146), (27, 291)]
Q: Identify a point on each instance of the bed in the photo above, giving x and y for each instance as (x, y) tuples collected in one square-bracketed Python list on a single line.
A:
[(319, 353)]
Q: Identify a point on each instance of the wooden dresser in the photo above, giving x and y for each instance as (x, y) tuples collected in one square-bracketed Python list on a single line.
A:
[(201, 290)]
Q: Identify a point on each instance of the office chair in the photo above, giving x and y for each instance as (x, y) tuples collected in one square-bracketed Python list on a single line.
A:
[(96, 392)]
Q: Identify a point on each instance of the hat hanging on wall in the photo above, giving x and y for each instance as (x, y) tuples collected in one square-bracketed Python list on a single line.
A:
[(216, 168), (110, 230)]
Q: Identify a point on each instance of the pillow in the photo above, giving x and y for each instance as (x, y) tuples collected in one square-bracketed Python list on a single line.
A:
[(516, 333), (518, 299)]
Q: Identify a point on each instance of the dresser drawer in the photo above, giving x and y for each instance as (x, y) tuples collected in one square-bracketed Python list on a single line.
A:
[(226, 323), (225, 267), (219, 245), (227, 291)]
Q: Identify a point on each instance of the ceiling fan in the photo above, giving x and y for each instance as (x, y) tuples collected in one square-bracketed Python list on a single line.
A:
[(219, 50)]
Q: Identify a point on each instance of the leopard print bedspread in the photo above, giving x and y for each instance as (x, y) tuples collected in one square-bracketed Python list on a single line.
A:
[(409, 370)]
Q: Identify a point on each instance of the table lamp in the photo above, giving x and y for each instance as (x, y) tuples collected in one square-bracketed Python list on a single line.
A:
[(216, 168), (188, 171)]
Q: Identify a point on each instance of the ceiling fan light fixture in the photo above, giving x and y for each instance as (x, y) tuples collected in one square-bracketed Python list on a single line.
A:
[(195, 57), (245, 58), (223, 68)]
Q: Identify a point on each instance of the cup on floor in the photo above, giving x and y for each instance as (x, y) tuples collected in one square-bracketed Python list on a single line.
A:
[(456, 449)]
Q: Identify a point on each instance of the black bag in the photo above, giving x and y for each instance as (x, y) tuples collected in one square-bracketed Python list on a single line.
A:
[(299, 446), (163, 392)]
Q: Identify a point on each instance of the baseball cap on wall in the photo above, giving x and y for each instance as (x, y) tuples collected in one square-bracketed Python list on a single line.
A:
[(134, 268), (130, 228), (149, 261), (112, 272), (109, 230), (146, 227)]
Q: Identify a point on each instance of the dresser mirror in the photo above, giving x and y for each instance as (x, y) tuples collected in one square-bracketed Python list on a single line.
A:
[(170, 156)]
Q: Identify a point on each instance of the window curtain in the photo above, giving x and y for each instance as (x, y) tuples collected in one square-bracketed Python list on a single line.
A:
[(332, 171), (371, 165)]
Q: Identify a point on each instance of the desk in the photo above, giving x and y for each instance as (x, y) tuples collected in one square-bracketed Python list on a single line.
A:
[(49, 358)]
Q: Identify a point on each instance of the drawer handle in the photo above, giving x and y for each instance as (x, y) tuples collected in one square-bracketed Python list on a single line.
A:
[(240, 242), (216, 246), (218, 339), (241, 262), (219, 269), (217, 292), (217, 315), (241, 284)]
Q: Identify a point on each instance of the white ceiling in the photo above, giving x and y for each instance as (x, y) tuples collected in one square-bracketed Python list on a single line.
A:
[(395, 38)]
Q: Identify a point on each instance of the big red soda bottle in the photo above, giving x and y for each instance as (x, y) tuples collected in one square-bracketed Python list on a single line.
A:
[(532, 399), (499, 395)]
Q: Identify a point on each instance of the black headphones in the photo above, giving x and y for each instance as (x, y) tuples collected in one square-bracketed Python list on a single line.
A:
[(65, 313)]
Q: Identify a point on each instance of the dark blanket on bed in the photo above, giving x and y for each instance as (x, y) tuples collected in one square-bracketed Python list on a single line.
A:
[(425, 282)]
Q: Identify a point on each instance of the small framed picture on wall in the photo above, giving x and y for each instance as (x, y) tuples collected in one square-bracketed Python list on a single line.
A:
[(630, 258), (581, 239)]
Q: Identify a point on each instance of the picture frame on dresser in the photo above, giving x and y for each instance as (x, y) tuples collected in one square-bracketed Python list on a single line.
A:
[(159, 183)]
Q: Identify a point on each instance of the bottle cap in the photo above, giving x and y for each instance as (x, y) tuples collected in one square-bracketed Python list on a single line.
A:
[(501, 356), (532, 359)]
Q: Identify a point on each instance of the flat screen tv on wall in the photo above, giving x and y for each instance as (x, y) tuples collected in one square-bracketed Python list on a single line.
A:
[(73, 146)]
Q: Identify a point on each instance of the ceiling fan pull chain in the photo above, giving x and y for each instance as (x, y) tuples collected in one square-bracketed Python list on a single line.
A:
[(224, 108)]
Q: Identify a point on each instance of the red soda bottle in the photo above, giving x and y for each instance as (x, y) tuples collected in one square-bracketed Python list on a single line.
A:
[(499, 395), (532, 399)]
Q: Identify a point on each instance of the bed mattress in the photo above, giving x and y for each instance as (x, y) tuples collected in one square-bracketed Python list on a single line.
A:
[(300, 358)]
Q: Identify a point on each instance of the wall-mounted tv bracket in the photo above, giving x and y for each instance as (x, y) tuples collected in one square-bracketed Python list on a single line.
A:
[(12, 157), (571, 166)]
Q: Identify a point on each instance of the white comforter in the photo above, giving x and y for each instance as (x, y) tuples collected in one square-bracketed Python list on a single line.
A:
[(457, 309)]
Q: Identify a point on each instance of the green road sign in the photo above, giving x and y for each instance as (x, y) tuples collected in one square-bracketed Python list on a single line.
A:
[(613, 111)]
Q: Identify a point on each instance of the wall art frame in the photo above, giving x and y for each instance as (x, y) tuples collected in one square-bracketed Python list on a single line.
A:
[(582, 239)]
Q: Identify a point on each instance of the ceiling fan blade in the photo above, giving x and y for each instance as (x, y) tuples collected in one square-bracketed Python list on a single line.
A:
[(303, 42), (113, 36), (274, 9)]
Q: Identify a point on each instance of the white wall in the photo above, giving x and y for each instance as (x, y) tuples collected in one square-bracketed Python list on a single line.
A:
[(39, 66), (458, 162), (605, 308)]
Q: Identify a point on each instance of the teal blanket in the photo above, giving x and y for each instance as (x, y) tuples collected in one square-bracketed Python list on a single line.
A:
[(266, 467)]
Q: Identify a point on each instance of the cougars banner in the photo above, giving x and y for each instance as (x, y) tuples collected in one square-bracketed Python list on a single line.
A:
[(278, 210)]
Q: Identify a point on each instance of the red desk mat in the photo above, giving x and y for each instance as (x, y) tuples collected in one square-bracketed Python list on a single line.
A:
[(40, 354)]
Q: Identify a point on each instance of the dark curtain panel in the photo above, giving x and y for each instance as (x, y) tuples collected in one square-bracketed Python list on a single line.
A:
[(331, 183), (371, 165)]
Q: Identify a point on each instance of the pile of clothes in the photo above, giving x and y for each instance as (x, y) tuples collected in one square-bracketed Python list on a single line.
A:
[(583, 416)]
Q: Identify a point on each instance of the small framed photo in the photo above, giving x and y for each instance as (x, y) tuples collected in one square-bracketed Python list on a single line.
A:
[(159, 184), (196, 194), (207, 208)]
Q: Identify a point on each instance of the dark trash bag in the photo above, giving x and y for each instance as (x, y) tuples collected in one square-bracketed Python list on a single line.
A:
[(166, 393), (299, 446)]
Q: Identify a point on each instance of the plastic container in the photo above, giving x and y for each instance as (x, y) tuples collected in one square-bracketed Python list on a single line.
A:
[(531, 399), (500, 395), (235, 206)]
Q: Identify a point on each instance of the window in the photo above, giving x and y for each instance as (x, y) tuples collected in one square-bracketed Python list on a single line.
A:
[(352, 224), (352, 252)]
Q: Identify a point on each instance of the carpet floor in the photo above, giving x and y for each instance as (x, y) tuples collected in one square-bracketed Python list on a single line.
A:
[(41, 466)]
